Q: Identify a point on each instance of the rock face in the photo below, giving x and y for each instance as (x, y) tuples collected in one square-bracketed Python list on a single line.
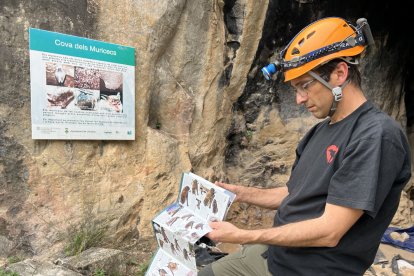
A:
[(201, 105), (94, 259), (33, 267)]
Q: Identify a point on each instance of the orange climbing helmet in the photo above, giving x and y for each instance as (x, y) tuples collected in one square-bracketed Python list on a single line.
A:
[(319, 42)]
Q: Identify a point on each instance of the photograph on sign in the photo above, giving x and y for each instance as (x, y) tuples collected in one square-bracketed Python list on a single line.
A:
[(81, 88)]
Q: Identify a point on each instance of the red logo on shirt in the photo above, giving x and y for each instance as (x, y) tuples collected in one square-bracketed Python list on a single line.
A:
[(331, 152)]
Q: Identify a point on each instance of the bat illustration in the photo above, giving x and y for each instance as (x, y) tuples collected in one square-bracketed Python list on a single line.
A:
[(215, 208), (164, 235), (209, 197), (171, 221), (199, 226), (184, 195), (189, 225), (186, 217), (194, 187)]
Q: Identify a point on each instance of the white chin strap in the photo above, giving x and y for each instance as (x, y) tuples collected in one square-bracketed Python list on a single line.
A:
[(336, 91)]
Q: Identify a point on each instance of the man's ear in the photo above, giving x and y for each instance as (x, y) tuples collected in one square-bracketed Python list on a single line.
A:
[(340, 73)]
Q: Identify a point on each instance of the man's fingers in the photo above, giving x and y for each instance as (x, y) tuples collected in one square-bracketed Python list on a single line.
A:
[(220, 184), (213, 224)]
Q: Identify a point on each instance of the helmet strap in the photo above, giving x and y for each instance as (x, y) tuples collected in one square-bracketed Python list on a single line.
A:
[(336, 91)]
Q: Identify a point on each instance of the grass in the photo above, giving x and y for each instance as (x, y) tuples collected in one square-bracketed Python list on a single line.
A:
[(100, 272), (88, 234), (142, 268), (248, 134), (7, 273), (14, 259), (103, 272)]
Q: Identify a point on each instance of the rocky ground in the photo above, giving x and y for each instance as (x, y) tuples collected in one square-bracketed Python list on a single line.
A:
[(384, 268), (139, 252)]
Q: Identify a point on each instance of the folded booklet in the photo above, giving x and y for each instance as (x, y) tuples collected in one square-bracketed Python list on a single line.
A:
[(179, 226)]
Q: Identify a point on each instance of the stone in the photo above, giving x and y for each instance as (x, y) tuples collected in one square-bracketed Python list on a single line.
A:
[(111, 261), (32, 267), (5, 246), (401, 237)]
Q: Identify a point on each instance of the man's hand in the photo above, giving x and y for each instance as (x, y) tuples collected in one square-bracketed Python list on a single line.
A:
[(324, 231), (265, 198), (225, 232), (237, 190)]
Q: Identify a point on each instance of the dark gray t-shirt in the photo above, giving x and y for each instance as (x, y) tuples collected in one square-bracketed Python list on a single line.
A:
[(361, 162)]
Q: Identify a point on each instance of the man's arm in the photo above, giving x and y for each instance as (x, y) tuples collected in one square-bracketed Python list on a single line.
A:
[(325, 231), (265, 198)]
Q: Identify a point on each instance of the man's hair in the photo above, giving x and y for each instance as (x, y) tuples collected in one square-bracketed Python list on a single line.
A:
[(326, 69)]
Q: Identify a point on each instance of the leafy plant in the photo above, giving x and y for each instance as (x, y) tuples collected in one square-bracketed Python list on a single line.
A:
[(100, 272)]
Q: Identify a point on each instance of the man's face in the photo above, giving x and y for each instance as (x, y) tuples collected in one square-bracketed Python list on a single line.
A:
[(313, 95)]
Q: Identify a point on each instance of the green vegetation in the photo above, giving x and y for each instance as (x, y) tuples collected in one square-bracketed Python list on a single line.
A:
[(248, 134), (100, 272), (142, 269), (103, 272), (14, 259), (88, 234), (7, 273)]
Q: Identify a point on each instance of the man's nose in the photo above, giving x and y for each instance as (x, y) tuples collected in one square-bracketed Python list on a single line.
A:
[(300, 99)]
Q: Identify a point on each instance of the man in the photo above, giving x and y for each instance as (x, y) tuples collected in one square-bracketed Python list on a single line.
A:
[(347, 178)]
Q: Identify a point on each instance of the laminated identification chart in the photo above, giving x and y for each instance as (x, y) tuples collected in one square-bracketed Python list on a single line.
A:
[(81, 88), (183, 223)]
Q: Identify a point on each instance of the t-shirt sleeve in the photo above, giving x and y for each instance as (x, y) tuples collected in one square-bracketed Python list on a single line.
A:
[(366, 175)]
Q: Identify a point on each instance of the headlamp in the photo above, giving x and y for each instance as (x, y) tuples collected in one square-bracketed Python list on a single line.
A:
[(269, 70)]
